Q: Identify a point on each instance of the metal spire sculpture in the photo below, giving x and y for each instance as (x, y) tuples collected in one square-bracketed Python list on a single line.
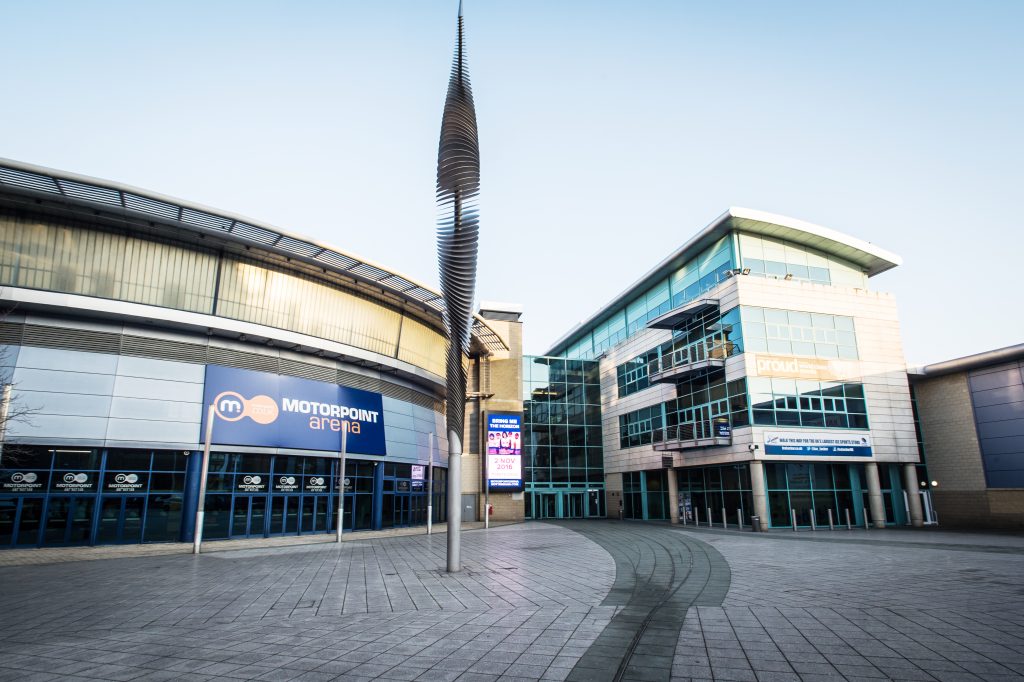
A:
[(458, 185)]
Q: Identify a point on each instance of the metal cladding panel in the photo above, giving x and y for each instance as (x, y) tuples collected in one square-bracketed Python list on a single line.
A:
[(997, 394)]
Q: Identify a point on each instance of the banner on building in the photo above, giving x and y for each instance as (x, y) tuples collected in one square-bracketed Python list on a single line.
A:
[(270, 410), (817, 444), (504, 451), (792, 367)]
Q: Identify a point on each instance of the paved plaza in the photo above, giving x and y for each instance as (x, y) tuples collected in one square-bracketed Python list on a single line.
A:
[(577, 600)]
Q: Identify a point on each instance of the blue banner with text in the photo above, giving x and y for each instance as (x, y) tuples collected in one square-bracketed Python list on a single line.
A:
[(269, 410)]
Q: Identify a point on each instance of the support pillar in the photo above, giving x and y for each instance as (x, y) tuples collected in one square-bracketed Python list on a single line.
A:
[(875, 504), (454, 502), (673, 496), (760, 495), (913, 496)]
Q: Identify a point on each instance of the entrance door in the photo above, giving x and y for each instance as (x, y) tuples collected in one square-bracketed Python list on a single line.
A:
[(121, 519), (547, 505), (573, 505), (68, 520), (468, 508)]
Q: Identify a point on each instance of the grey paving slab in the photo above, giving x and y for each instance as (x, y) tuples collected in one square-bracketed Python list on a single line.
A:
[(536, 601)]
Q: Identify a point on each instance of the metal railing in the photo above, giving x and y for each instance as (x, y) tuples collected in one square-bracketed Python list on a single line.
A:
[(700, 351)]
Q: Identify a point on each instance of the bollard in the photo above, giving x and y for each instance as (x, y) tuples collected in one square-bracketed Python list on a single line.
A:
[(814, 521), (724, 518), (831, 526), (739, 518), (696, 517), (849, 526), (792, 513), (710, 520)]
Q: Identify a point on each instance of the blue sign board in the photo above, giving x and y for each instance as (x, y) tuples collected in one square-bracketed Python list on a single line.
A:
[(269, 410), (504, 452), (723, 429), (818, 444)]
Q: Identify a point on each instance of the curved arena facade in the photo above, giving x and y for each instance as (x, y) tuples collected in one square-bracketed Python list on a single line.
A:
[(127, 311)]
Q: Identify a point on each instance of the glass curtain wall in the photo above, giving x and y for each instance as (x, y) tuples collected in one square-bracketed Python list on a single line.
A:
[(688, 282), (81, 496), (563, 462), (716, 493), (68, 257)]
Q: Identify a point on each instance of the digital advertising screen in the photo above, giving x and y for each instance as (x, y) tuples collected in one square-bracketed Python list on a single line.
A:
[(504, 452)]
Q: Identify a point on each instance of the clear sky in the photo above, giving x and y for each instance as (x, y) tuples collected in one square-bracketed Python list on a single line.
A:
[(610, 132)]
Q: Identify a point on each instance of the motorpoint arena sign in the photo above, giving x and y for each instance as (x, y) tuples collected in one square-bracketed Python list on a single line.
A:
[(269, 410)]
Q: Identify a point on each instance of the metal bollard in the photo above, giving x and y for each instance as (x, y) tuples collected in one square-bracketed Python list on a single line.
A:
[(793, 514), (849, 526), (710, 520), (814, 520), (739, 518), (696, 517), (831, 526), (724, 519)]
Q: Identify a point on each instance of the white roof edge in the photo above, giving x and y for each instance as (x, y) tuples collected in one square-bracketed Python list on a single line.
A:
[(891, 260), (120, 186), (817, 230), (501, 307)]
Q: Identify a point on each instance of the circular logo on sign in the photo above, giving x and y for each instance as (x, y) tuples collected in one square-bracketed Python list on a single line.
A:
[(261, 409), (120, 478), (229, 406), (348, 482), (31, 477), (291, 480), (316, 480), (81, 478), (17, 477), (132, 478), (69, 478), (247, 480), (256, 480)]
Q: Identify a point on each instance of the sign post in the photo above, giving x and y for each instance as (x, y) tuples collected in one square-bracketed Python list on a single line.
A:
[(341, 482), (430, 483), (211, 414)]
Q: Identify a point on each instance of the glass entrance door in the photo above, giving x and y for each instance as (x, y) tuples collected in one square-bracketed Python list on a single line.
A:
[(572, 503), (547, 506), (68, 520), (121, 519)]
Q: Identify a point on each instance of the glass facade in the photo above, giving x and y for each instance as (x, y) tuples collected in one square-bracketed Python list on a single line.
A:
[(703, 400), (258, 495), (563, 462), (792, 332), (88, 496), (645, 494), (710, 335), (685, 284), (80, 496), (770, 257), (68, 257), (800, 402), (810, 489)]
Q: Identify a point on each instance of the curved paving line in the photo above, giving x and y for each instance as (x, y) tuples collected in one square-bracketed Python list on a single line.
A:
[(659, 575)]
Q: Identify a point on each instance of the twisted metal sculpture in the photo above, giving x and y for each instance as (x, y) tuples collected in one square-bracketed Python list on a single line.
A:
[(458, 185)]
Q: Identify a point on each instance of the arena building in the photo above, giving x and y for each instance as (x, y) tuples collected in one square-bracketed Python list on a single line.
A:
[(127, 312), (752, 372), (971, 431)]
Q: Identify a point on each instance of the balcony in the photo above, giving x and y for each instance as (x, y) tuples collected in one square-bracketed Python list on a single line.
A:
[(675, 365), (677, 315), (703, 434)]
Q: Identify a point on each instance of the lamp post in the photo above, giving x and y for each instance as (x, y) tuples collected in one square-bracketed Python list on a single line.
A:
[(430, 482), (197, 541), (341, 479)]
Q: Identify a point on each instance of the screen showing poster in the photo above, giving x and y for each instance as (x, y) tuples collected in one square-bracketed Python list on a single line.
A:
[(504, 452)]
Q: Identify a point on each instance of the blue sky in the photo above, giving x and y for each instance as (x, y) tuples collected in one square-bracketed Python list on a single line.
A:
[(610, 132)]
